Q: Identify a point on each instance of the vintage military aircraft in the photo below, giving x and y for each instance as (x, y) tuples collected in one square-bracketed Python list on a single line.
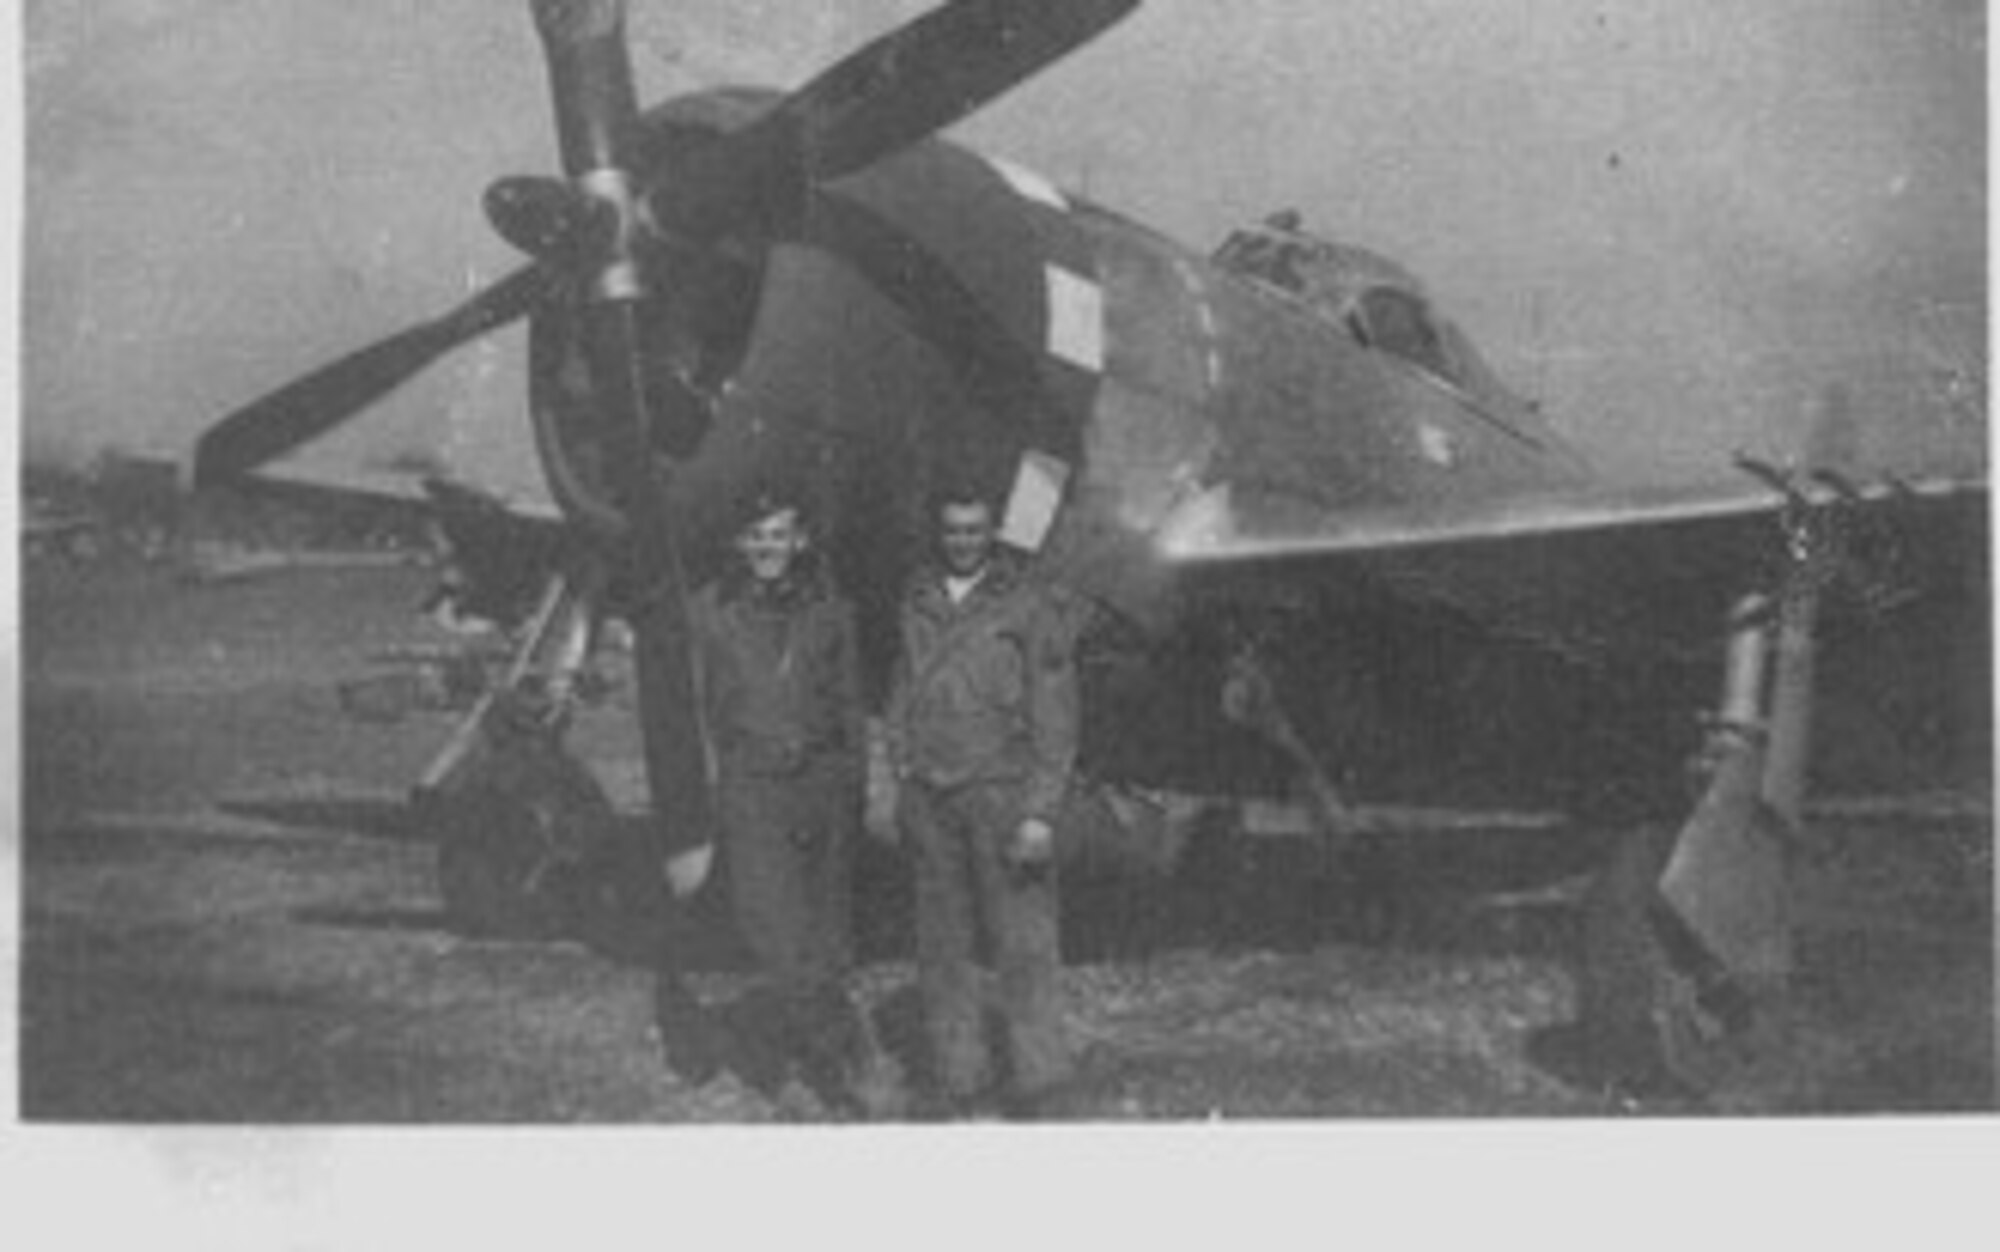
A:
[(1340, 562)]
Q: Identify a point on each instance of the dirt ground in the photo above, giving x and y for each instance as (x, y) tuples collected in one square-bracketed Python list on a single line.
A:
[(226, 920)]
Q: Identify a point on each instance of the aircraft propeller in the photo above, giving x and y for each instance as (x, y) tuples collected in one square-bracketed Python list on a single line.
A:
[(610, 236), (597, 113), (892, 92), (306, 408)]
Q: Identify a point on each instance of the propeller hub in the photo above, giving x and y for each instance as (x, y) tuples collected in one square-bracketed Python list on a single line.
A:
[(614, 209), (545, 217)]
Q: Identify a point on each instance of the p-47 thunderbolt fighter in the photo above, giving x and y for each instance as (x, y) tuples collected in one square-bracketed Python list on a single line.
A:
[(1307, 508)]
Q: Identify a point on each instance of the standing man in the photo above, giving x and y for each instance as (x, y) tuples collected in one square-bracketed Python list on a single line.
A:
[(780, 693), (983, 731)]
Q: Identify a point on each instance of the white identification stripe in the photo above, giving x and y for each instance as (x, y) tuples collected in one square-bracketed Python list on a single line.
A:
[(1076, 318), (1436, 444), (1035, 500), (1029, 185)]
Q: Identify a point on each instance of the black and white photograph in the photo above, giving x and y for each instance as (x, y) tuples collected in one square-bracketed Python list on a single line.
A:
[(957, 565)]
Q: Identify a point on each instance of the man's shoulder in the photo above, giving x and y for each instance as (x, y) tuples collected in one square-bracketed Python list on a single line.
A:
[(1024, 588), (924, 585), (705, 602), (1010, 588)]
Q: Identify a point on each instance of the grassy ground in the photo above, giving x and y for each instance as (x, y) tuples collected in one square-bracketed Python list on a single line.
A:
[(225, 920)]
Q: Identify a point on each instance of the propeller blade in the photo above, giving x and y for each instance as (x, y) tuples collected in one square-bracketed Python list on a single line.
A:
[(596, 111), (303, 410), (904, 86), (942, 66), (590, 81)]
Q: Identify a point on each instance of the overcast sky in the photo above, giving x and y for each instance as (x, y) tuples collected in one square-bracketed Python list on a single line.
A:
[(1674, 221)]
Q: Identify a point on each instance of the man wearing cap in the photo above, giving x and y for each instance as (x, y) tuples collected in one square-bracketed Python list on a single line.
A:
[(779, 689)]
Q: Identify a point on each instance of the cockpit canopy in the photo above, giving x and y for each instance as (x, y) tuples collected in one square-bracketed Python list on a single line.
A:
[(1362, 293)]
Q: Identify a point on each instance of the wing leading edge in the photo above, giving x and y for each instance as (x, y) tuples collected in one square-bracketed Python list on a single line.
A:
[(1597, 572)]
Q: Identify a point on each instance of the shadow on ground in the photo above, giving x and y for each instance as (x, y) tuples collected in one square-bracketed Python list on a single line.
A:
[(371, 817)]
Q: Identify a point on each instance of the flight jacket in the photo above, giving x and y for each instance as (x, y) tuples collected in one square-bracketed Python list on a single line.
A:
[(985, 690), (779, 681)]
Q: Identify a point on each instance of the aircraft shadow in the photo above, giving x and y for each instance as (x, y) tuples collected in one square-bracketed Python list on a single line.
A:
[(371, 817), (429, 920), (1229, 895), (1236, 893)]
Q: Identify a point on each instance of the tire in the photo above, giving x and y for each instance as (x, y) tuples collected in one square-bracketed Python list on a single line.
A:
[(620, 904), (1623, 961), (1641, 1016), (513, 842)]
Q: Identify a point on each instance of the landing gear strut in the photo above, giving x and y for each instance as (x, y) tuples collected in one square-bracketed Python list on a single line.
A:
[(1687, 933), (520, 822)]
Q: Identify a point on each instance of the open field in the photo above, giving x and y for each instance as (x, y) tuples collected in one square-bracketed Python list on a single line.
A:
[(225, 919)]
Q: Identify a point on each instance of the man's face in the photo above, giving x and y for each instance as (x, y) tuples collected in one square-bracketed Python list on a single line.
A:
[(770, 544), (965, 536)]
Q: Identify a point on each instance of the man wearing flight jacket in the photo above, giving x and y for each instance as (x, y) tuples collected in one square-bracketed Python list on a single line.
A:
[(983, 732)]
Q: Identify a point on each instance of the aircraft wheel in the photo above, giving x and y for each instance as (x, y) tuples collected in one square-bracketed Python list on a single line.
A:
[(621, 903), (1641, 1021), (512, 844)]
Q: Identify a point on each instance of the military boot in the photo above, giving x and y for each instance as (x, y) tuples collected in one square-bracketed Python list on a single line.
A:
[(844, 1063), (694, 1044)]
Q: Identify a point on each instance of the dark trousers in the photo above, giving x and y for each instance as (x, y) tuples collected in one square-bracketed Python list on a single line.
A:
[(786, 840), (969, 903)]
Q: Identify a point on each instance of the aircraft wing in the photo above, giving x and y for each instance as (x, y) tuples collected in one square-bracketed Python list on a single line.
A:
[(332, 487), (1599, 572)]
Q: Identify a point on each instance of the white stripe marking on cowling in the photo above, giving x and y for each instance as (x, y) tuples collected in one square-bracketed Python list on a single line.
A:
[(1076, 318), (1436, 444), (1029, 185)]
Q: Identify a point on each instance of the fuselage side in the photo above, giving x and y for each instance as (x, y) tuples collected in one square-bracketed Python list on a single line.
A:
[(943, 308)]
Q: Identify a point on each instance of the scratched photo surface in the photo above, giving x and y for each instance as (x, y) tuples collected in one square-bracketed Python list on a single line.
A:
[(1521, 466)]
